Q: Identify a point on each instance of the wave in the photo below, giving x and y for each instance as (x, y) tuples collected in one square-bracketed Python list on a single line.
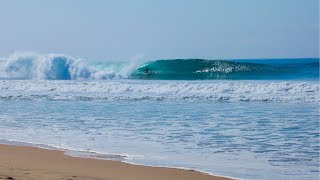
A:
[(62, 67), (229, 91), (198, 69)]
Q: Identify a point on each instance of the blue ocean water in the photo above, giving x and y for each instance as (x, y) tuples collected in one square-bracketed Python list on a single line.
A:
[(249, 119)]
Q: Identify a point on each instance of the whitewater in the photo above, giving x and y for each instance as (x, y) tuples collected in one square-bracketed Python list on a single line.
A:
[(244, 118), (134, 90)]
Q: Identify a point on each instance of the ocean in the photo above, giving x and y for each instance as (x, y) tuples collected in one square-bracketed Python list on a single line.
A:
[(247, 118)]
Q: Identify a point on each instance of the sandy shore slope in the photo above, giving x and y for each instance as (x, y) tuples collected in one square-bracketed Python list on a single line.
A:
[(20, 162)]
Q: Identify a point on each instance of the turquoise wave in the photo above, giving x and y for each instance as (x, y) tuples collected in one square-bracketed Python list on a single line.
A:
[(200, 69)]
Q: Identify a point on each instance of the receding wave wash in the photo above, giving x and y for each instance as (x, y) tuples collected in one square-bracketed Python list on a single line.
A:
[(61, 67)]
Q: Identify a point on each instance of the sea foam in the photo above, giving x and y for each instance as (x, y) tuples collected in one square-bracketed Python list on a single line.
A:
[(269, 91), (60, 67)]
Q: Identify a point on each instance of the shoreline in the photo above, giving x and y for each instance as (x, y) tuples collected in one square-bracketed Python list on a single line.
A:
[(27, 162)]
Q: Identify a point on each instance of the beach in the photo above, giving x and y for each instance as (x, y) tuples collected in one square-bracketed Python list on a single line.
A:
[(22, 162), (159, 90), (240, 129)]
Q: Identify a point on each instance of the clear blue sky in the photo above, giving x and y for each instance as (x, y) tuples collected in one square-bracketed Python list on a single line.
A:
[(154, 29)]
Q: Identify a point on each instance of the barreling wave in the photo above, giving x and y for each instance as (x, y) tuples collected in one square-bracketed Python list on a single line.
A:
[(199, 69), (61, 67)]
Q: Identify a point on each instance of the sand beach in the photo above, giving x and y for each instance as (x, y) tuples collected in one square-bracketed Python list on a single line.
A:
[(22, 162)]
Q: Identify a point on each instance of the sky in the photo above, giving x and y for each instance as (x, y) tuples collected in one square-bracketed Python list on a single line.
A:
[(161, 29)]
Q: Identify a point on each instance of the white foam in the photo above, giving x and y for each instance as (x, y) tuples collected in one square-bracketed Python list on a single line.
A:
[(161, 90), (36, 66)]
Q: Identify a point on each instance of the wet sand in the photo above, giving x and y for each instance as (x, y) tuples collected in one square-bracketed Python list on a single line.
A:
[(21, 162)]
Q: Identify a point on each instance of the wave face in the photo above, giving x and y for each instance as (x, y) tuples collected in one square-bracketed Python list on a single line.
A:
[(62, 67), (226, 91), (193, 69)]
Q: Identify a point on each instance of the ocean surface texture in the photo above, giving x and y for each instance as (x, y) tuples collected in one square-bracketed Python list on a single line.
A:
[(249, 119)]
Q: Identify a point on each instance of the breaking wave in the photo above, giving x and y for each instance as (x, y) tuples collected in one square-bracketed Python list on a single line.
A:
[(61, 67), (199, 69)]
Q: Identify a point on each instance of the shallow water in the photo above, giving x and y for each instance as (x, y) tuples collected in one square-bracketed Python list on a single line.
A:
[(252, 139)]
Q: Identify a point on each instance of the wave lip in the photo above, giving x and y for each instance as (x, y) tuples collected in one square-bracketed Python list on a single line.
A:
[(229, 91)]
